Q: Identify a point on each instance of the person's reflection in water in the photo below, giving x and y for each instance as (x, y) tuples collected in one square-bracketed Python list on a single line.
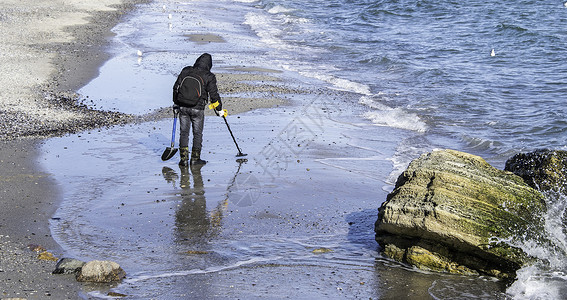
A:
[(192, 220), (194, 226)]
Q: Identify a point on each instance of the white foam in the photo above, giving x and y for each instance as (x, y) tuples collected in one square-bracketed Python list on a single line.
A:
[(550, 280), (100, 295), (265, 29), (213, 269), (268, 28), (341, 83), (383, 115), (278, 9), (532, 284), (271, 30)]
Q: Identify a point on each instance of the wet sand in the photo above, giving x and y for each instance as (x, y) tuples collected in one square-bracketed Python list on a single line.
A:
[(303, 206), (47, 50)]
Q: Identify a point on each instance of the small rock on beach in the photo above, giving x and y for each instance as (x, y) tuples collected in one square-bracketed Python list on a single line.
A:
[(101, 272), (68, 266)]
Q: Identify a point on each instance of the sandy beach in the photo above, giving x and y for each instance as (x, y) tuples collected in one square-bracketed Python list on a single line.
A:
[(48, 49), (85, 119)]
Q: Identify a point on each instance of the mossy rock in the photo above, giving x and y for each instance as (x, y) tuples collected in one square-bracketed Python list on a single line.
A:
[(456, 211), (542, 169)]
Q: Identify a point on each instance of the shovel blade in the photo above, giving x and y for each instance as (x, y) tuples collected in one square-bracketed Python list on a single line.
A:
[(168, 153)]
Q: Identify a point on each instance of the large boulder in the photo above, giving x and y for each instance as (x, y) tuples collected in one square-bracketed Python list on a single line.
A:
[(545, 170), (101, 272), (453, 212)]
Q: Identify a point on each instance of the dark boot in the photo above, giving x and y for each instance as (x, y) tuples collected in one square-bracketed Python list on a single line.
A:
[(184, 153), (196, 157)]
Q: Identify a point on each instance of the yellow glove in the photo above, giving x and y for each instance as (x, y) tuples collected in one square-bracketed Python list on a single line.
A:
[(222, 113), (218, 113), (214, 105)]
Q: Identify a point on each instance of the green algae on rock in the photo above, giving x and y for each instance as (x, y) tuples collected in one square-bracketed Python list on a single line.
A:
[(542, 169), (452, 212)]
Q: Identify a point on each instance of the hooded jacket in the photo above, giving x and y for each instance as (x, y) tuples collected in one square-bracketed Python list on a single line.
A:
[(202, 68)]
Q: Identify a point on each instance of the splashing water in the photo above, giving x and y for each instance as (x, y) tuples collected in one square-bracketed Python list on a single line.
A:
[(546, 279)]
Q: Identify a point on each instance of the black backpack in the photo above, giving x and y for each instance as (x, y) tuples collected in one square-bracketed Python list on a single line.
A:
[(190, 89)]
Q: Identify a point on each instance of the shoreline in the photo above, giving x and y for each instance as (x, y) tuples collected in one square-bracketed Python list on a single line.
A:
[(48, 107), (37, 101)]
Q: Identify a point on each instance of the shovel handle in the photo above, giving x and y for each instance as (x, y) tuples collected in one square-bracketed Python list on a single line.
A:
[(175, 113)]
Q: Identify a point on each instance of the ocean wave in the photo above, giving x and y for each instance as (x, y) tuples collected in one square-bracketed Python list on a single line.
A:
[(510, 27), (383, 115), (406, 151), (274, 30), (341, 83), (478, 143), (546, 279), (278, 9), (212, 269)]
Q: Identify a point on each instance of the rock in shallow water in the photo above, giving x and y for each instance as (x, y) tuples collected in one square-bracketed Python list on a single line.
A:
[(451, 211), (544, 169), (101, 272), (68, 266)]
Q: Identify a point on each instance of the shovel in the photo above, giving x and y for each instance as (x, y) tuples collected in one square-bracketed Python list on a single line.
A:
[(170, 151)]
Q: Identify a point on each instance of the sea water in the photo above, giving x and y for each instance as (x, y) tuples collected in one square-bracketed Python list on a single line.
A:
[(486, 78)]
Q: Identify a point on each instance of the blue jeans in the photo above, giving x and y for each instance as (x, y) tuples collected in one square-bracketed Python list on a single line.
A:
[(187, 117)]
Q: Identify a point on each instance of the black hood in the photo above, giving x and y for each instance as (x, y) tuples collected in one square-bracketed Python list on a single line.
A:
[(205, 62)]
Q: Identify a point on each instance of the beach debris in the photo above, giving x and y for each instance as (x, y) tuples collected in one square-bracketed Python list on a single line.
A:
[(115, 294), (46, 255), (36, 248), (322, 250), (191, 252), (101, 272), (68, 266), (18, 125)]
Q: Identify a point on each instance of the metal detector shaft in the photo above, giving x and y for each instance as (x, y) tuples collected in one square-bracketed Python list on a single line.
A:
[(232, 135)]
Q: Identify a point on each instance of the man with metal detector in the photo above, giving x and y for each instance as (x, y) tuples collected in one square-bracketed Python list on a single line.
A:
[(194, 87)]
